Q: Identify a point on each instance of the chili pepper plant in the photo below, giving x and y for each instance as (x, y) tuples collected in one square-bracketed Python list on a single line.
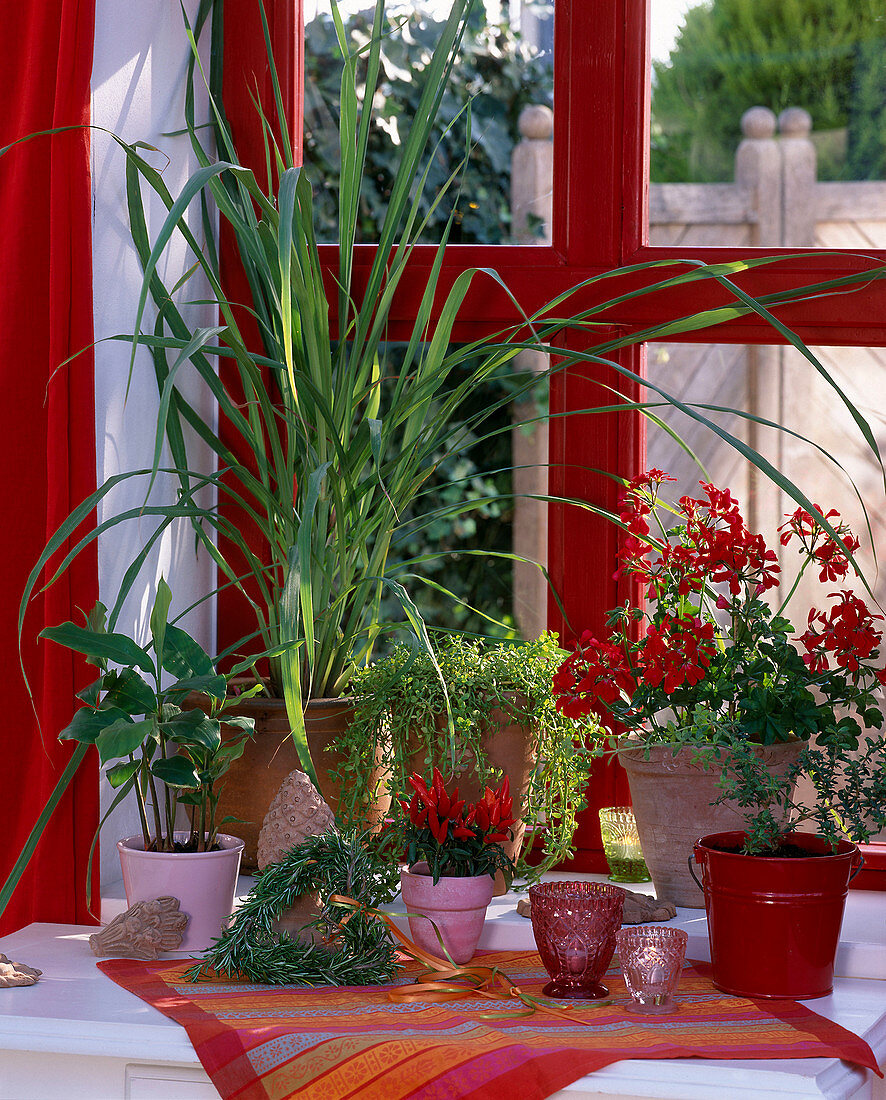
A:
[(706, 661), (455, 838)]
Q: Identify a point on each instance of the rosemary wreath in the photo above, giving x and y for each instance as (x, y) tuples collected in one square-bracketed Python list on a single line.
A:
[(357, 951)]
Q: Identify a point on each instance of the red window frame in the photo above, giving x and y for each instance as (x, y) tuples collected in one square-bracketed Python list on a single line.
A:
[(601, 143)]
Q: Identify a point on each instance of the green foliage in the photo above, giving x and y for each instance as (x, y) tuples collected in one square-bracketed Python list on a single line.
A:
[(320, 473), (354, 951), (406, 716), (460, 519), (496, 76), (168, 756), (823, 55)]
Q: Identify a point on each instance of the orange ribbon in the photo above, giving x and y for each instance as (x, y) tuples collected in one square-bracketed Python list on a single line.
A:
[(445, 980)]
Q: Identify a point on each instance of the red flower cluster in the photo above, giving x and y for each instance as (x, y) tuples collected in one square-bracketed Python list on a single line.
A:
[(594, 669), (709, 559), (431, 807), (635, 504), (715, 545), (847, 632), (831, 554), (677, 651)]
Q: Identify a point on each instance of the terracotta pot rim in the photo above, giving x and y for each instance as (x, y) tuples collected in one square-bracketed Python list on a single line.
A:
[(278, 699), (414, 871)]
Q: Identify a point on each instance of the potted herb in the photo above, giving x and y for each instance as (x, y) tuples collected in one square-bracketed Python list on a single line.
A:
[(453, 851), (504, 723), (171, 759), (710, 680)]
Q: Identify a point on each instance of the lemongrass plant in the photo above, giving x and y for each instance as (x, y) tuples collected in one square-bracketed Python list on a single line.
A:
[(332, 447)]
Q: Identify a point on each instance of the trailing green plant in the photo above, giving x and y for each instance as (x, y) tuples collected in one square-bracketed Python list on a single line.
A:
[(354, 949), (401, 716)]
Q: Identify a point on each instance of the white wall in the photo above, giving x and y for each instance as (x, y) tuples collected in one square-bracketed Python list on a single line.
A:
[(138, 77)]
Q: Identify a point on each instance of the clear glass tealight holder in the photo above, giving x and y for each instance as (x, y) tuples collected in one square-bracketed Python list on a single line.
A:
[(621, 845), (651, 961)]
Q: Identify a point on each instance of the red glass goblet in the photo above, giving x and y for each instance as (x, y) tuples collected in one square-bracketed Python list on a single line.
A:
[(574, 924)]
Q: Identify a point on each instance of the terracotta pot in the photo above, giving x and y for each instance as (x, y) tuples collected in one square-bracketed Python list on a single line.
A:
[(510, 747), (672, 798), (253, 780), (457, 906), (773, 922), (203, 882)]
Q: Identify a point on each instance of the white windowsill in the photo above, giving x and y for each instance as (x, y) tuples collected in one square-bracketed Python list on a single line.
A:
[(78, 1035)]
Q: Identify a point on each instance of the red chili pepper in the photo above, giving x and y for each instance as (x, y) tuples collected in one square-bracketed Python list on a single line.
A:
[(418, 785), (438, 828)]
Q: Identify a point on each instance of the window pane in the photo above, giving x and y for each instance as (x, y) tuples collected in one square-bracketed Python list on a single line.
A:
[(482, 460), (712, 60), (505, 67), (779, 385)]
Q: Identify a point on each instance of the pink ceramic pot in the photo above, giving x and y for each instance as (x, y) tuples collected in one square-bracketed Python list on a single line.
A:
[(457, 906), (203, 882)]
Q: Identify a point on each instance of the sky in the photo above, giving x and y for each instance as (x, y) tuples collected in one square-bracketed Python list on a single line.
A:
[(666, 17)]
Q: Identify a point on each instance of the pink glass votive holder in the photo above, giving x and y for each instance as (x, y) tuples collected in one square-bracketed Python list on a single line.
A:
[(651, 962), (574, 924)]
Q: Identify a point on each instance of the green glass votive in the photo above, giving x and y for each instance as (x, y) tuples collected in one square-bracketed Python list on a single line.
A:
[(621, 845)]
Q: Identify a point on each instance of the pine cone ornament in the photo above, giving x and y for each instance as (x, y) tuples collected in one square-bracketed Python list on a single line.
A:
[(296, 812)]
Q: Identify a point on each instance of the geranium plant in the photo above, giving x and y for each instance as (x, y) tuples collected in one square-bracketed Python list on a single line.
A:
[(457, 839), (707, 661)]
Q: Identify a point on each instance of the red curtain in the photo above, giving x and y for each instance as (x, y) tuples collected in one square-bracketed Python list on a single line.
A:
[(47, 442)]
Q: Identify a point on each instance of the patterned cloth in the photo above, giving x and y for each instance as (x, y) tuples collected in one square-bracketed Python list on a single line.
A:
[(261, 1042)]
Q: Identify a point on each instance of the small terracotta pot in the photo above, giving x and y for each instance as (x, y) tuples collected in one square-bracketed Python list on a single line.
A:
[(203, 882), (457, 906), (673, 800)]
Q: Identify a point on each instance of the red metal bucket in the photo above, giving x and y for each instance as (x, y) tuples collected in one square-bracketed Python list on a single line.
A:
[(773, 922)]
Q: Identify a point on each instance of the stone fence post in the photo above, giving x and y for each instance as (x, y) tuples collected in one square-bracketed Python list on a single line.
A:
[(799, 171), (532, 169), (532, 173), (779, 178)]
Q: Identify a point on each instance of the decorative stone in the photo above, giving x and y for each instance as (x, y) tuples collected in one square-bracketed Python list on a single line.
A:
[(296, 812), (638, 908), (795, 122), (143, 931), (536, 122), (758, 123), (15, 974)]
